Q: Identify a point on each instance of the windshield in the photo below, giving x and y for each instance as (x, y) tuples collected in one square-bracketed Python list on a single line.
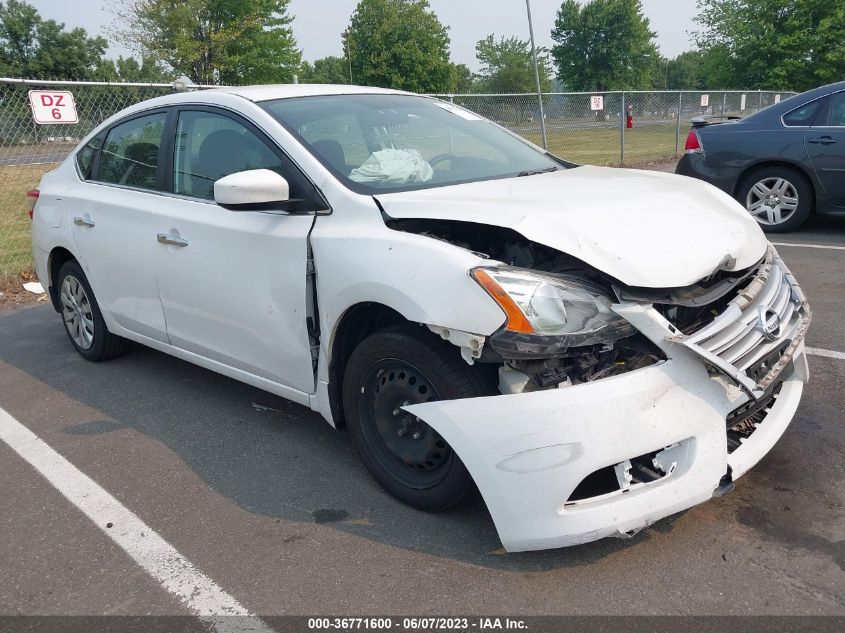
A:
[(382, 143)]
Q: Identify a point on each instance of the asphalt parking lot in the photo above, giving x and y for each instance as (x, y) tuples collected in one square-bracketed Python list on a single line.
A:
[(273, 506)]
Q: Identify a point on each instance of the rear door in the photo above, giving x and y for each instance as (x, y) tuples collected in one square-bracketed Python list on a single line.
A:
[(233, 283), (114, 213), (825, 143)]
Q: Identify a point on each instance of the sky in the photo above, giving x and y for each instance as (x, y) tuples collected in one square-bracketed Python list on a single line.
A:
[(318, 23)]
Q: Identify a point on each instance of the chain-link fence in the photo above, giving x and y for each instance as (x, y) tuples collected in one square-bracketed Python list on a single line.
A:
[(588, 128), (612, 128), (28, 149)]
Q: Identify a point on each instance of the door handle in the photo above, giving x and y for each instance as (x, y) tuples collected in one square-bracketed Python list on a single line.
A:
[(822, 140), (80, 221), (164, 238)]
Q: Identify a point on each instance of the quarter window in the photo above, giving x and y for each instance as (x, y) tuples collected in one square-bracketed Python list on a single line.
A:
[(130, 153), (85, 157), (804, 115), (210, 146)]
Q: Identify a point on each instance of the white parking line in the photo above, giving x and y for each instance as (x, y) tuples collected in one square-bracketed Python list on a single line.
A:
[(827, 353), (821, 246), (199, 593)]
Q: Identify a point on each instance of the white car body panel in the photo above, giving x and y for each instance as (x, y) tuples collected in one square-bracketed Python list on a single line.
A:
[(125, 225), (235, 302), (636, 226), (222, 283)]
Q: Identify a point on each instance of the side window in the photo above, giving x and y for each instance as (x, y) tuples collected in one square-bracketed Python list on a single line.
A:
[(131, 152), (210, 146), (85, 157), (804, 115), (836, 110)]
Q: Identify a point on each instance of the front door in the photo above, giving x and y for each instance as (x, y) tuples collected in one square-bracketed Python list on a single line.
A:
[(825, 143), (233, 283)]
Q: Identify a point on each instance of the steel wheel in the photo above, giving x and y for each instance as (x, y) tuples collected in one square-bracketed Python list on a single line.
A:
[(77, 313), (405, 446), (772, 201)]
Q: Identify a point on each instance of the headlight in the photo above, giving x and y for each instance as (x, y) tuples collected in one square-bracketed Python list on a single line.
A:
[(572, 311)]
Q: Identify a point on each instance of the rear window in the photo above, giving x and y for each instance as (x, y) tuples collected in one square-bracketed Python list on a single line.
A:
[(804, 115), (836, 110), (131, 152)]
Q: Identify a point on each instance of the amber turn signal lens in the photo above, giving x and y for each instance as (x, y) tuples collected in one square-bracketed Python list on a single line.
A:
[(517, 321)]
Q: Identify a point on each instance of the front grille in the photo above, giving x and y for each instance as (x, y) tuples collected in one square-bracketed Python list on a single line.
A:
[(736, 342)]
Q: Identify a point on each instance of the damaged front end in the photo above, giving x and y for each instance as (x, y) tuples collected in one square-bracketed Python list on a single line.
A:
[(560, 329), (618, 405)]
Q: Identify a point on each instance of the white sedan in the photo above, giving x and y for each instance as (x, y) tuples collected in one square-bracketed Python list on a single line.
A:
[(593, 349)]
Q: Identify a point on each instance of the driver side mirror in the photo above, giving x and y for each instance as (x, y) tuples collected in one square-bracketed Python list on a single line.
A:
[(252, 190)]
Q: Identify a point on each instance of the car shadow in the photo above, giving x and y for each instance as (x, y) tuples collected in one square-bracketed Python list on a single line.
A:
[(269, 456)]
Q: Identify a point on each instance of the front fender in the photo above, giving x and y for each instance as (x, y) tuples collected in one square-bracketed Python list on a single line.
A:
[(424, 279)]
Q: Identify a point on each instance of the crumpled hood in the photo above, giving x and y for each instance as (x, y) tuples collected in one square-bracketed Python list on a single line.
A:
[(644, 228)]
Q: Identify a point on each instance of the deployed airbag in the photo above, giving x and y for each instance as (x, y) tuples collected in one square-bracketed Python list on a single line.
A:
[(393, 166)]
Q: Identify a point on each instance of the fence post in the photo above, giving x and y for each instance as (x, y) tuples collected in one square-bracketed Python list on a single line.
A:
[(622, 131), (678, 123), (760, 101), (724, 102), (537, 76)]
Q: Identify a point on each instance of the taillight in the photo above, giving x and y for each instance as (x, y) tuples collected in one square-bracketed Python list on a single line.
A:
[(31, 199), (693, 144)]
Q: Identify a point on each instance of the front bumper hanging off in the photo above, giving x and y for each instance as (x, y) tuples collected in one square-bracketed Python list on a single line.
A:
[(528, 452)]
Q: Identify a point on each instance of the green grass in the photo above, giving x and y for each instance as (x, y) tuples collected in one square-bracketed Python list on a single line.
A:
[(15, 245), (600, 146), (597, 146)]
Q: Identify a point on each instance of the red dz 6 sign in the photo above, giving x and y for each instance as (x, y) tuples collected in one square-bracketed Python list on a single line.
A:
[(53, 106)]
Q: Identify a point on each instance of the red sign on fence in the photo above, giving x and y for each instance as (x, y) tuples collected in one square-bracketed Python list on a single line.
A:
[(53, 106)]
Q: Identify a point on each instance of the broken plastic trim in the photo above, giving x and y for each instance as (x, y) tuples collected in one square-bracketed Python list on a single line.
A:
[(631, 474), (701, 293), (471, 345)]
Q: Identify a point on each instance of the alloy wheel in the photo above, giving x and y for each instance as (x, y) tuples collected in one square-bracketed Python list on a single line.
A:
[(772, 201), (77, 313)]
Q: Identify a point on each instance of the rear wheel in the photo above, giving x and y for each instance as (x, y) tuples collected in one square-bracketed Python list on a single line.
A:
[(82, 318), (394, 368), (779, 198)]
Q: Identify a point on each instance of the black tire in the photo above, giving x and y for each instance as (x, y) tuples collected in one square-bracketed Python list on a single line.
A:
[(103, 344), (399, 363), (797, 181)]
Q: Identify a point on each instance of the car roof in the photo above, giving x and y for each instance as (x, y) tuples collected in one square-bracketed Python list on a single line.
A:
[(229, 95), (287, 91), (775, 111)]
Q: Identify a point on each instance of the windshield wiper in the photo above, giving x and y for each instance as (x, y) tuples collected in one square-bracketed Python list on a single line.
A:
[(531, 172)]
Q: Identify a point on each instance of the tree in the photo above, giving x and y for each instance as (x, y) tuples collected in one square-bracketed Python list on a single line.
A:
[(775, 44), (603, 45), (399, 44), (508, 66), (215, 41), (462, 80), (34, 48), (328, 70), (687, 71), (128, 69)]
